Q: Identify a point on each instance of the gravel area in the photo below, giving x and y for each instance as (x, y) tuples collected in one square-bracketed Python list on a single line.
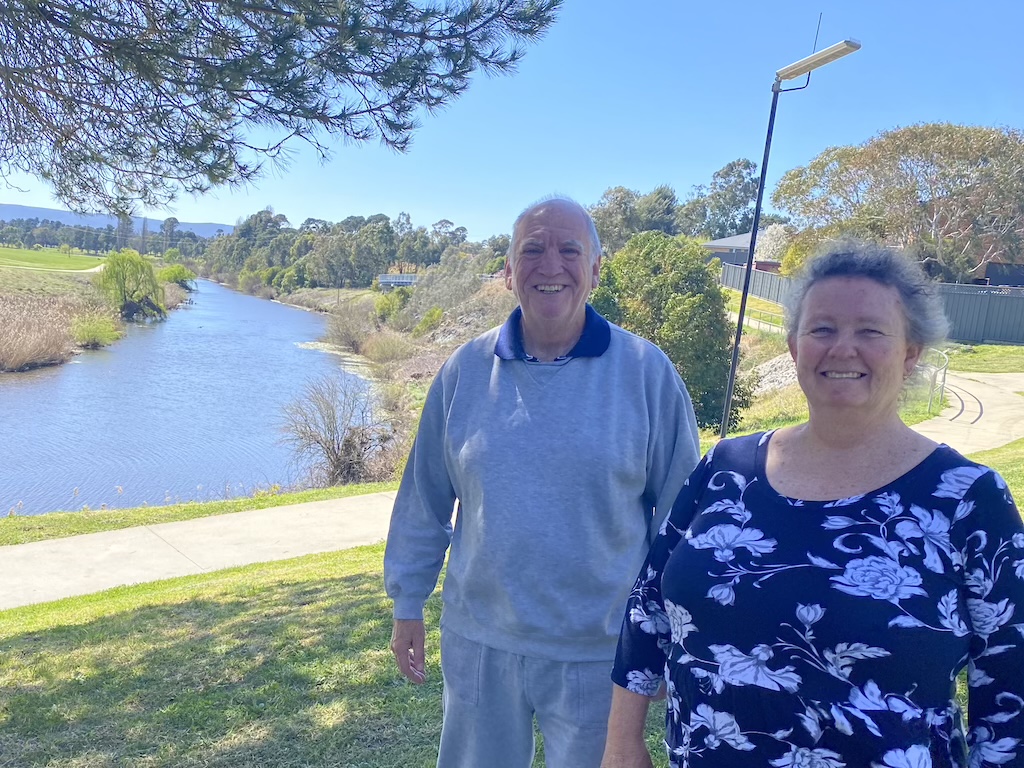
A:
[(776, 373)]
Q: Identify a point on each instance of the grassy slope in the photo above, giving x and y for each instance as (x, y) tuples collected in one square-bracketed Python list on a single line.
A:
[(282, 664), (45, 259), (758, 308), (22, 530), (43, 283), (986, 358)]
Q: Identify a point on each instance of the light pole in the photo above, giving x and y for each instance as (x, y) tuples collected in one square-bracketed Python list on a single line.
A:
[(794, 70)]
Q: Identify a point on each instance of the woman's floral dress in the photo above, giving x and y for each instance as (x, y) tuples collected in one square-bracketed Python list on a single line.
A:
[(830, 634)]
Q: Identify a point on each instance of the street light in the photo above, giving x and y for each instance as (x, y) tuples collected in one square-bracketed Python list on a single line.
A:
[(794, 70)]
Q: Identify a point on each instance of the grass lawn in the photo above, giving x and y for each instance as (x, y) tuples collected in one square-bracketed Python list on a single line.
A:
[(756, 308), (25, 529), (47, 258), (284, 664), (34, 282), (986, 358)]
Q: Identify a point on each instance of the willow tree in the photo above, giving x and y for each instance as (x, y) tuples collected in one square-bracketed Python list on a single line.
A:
[(117, 103), (130, 284)]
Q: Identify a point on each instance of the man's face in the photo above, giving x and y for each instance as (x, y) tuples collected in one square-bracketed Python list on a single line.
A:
[(551, 272)]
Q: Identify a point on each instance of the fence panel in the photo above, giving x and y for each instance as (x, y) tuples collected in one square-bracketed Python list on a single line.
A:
[(765, 285), (977, 313)]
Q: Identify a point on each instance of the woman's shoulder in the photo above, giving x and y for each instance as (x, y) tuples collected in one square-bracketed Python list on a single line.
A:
[(734, 453), (948, 477)]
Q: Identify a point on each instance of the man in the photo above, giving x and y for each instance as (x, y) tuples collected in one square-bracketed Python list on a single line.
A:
[(560, 435)]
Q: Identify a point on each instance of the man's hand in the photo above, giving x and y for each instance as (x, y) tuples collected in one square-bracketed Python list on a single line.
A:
[(407, 637), (638, 757)]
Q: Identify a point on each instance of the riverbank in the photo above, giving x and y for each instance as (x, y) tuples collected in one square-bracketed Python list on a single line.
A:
[(50, 312), (177, 411)]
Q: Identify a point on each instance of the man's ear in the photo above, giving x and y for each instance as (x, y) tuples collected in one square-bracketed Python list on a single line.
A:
[(508, 272), (596, 273)]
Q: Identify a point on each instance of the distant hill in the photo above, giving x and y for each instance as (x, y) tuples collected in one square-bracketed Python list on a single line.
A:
[(8, 212)]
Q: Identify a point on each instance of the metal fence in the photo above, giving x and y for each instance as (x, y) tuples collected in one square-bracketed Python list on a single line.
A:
[(984, 313), (977, 313)]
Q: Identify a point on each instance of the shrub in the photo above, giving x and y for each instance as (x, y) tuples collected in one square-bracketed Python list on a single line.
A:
[(387, 305), (178, 274), (430, 320), (174, 295), (386, 347), (350, 324), (662, 288), (334, 432), (95, 328), (249, 282)]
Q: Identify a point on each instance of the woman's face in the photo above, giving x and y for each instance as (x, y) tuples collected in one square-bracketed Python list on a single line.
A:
[(851, 349)]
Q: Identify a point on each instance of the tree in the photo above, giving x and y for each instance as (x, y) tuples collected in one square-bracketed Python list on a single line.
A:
[(169, 231), (334, 433), (952, 194), (655, 211), (128, 281), (120, 104), (661, 288), (178, 274), (125, 231), (772, 243), (726, 207), (615, 218)]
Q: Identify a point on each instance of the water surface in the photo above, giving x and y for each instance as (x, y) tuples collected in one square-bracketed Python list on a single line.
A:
[(188, 408)]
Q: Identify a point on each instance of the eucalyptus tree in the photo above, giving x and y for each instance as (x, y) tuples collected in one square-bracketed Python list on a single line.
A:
[(952, 194)]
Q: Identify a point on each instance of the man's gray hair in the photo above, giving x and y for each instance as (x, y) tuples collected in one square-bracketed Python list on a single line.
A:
[(922, 307), (594, 245)]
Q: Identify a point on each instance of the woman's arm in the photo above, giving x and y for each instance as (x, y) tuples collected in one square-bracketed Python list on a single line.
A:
[(994, 558), (625, 746)]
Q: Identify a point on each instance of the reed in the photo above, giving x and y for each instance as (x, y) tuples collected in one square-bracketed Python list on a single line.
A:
[(36, 331)]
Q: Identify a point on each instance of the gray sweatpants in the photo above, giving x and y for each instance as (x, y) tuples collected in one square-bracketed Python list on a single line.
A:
[(491, 698)]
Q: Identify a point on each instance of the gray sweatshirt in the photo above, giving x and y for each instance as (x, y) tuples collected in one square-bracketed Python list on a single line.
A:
[(563, 472)]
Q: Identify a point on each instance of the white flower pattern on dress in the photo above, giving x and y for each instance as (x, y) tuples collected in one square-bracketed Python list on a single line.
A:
[(801, 634)]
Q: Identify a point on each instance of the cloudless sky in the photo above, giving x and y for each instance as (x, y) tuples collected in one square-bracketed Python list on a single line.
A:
[(653, 92)]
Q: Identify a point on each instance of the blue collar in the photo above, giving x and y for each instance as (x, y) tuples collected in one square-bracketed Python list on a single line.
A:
[(593, 341)]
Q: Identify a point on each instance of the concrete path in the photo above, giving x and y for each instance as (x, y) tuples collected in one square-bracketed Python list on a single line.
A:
[(80, 565), (985, 412)]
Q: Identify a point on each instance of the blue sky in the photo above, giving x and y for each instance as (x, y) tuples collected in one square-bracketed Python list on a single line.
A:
[(654, 92)]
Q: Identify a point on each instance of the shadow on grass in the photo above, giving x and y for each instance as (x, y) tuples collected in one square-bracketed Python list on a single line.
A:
[(246, 674)]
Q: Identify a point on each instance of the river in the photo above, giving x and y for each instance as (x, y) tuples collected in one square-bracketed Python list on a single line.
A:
[(184, 409)]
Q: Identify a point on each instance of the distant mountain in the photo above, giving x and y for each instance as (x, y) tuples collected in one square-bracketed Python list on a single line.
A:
[(8, 212)]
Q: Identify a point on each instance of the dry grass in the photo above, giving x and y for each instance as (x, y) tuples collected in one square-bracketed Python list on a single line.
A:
[(487, 307), (323, 299), (386, 346), (758, 347), (773, 409), (174, 295), (37, 331), (351, 323)]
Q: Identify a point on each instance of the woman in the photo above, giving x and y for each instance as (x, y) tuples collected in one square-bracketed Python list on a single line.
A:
[(817, 589)]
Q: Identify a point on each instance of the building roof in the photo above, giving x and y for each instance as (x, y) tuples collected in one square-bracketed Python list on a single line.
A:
[(735, 242)]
